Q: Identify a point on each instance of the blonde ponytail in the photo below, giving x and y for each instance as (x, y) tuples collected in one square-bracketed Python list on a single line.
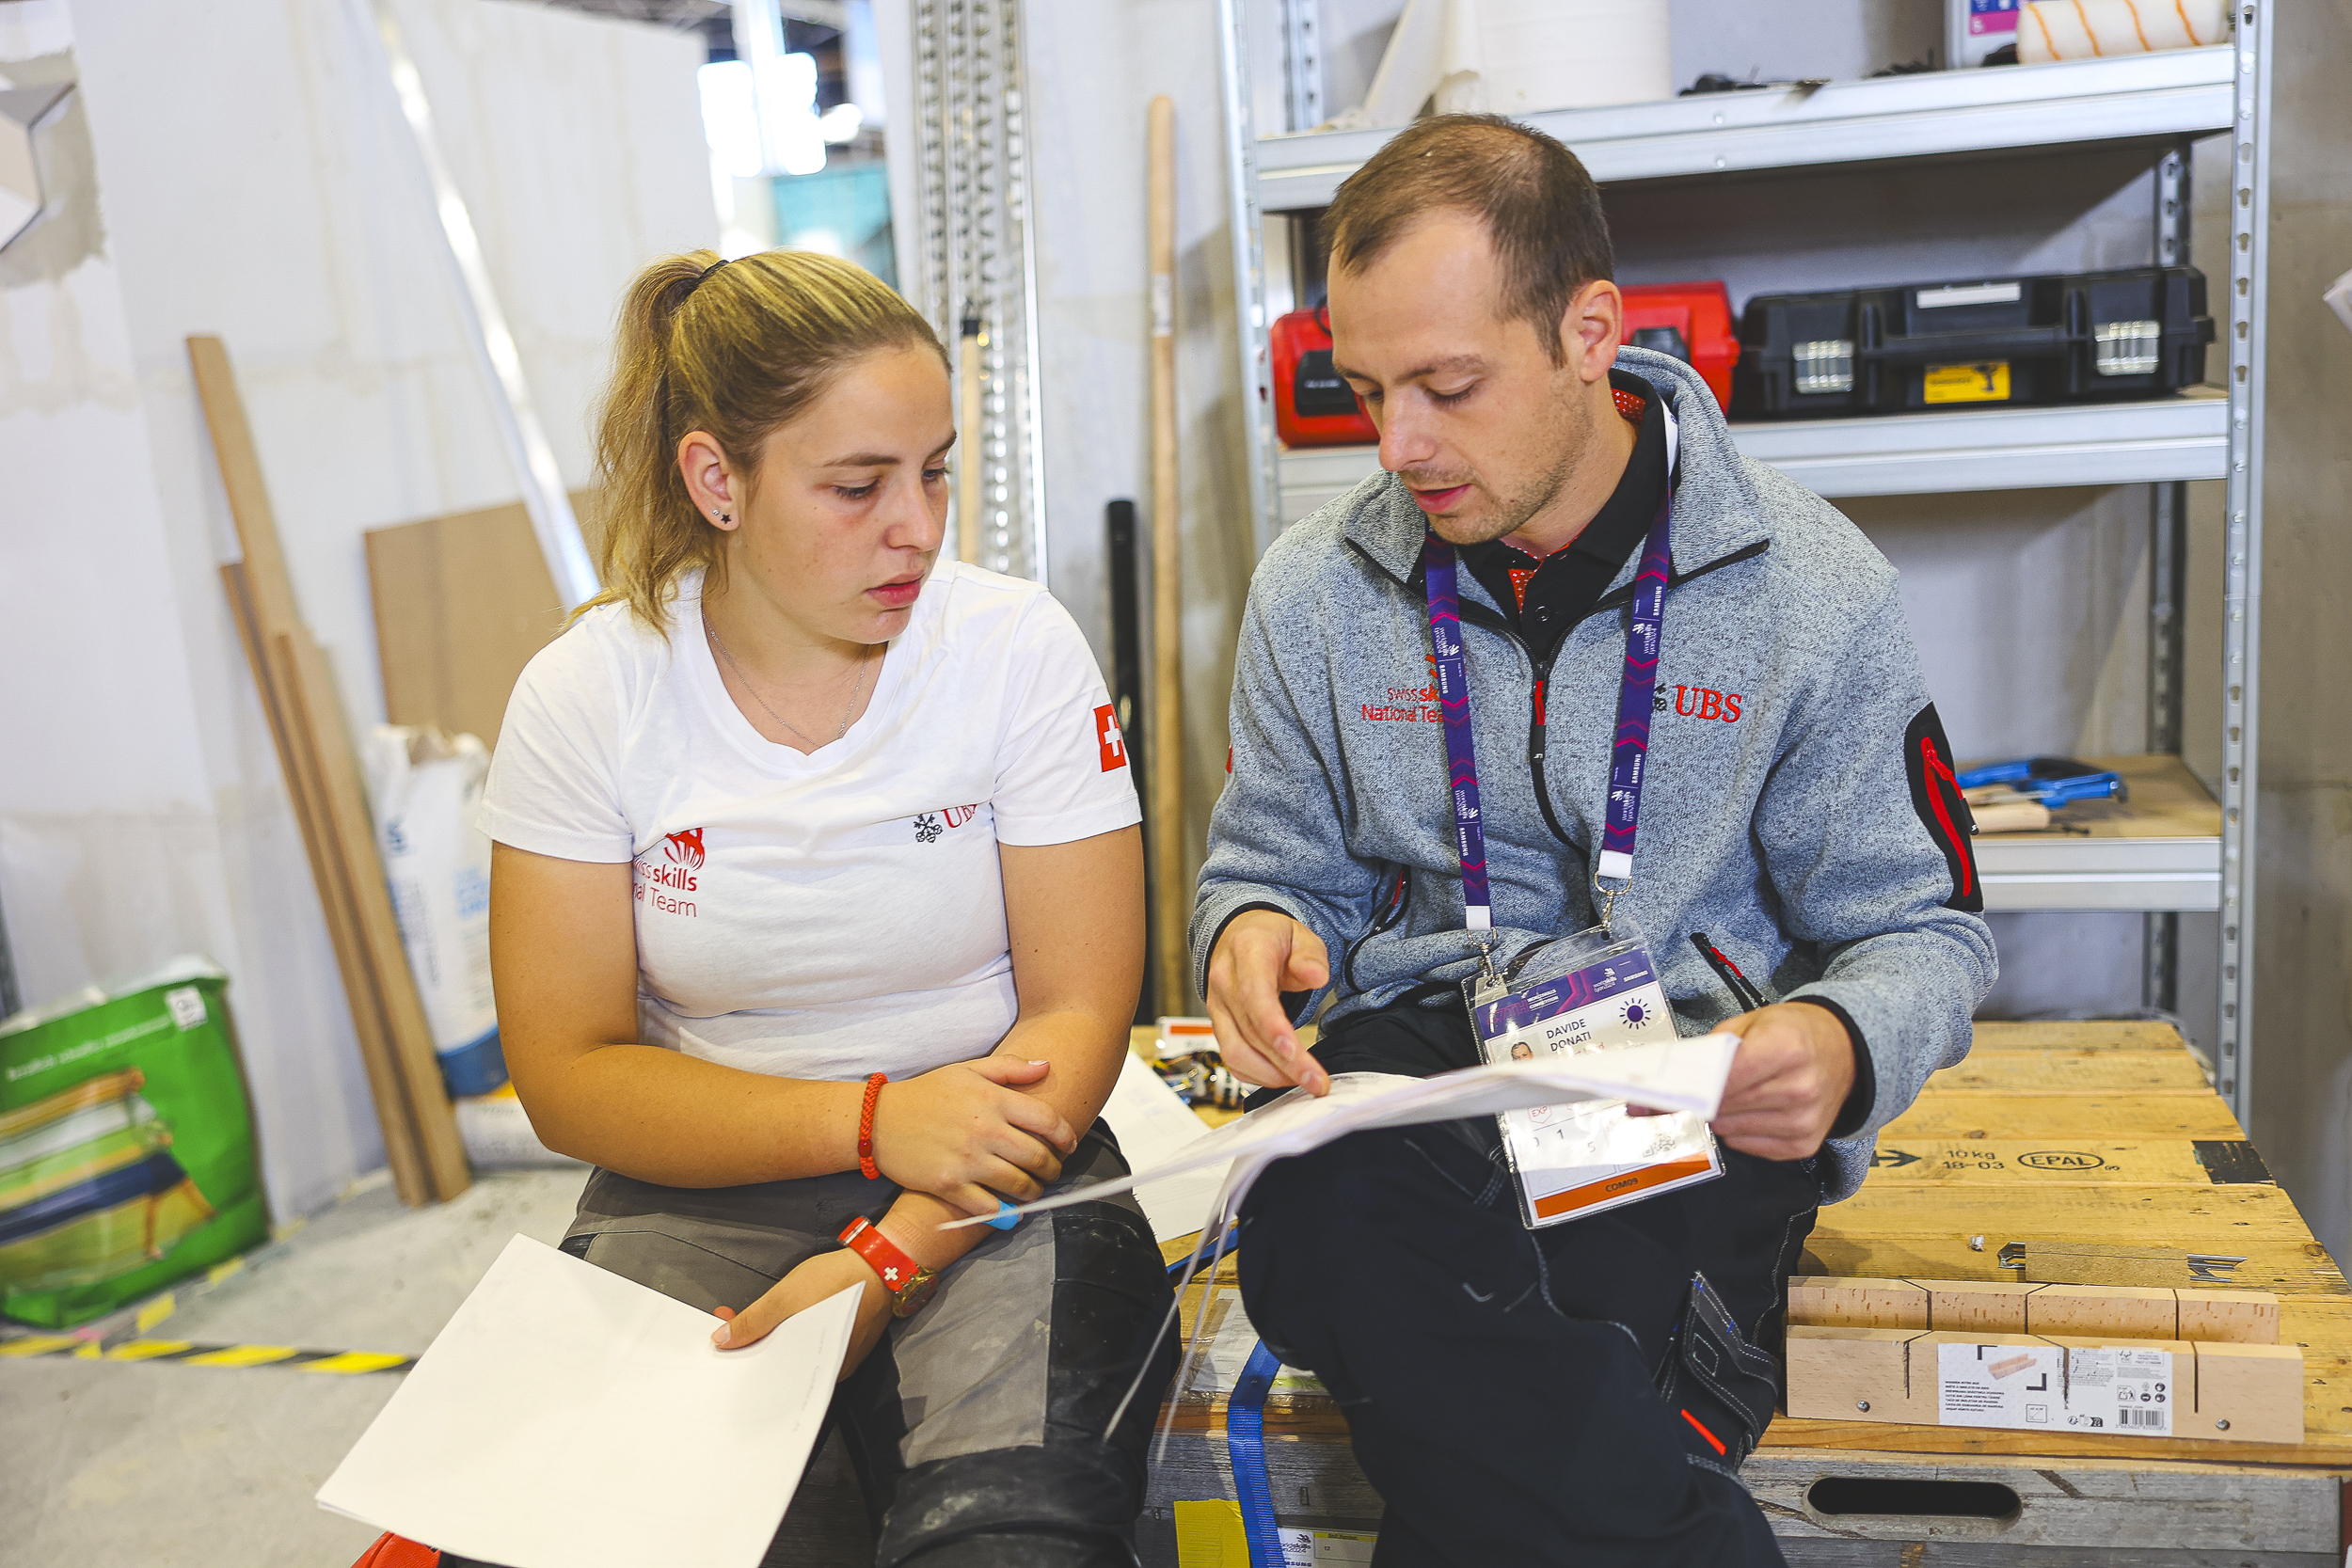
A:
[(736, 349)]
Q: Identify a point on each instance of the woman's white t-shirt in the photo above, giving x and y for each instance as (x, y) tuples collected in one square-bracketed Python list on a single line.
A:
[(837, 914)]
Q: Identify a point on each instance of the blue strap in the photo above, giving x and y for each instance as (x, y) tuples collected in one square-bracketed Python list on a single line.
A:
[(1245, 1444)]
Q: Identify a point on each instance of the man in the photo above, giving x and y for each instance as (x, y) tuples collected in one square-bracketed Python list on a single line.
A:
[(1583, 1392)]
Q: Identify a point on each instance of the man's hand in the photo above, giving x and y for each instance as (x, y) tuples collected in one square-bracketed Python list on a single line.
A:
[(819, 1278), (1788, 1081), (1260, 955)]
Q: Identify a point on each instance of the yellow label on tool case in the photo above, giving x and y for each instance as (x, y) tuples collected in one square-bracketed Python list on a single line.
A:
[(1987, 381)]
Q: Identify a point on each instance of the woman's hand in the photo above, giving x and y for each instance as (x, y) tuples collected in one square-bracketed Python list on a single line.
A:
[(966, 1133), (819, 1279)]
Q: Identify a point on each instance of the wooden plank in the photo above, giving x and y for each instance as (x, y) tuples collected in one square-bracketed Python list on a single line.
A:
[(1936, 1551), (269, 589), (1976, 1115), (2077, 1035), (2202, 1219), (461, 603), (402, 1151), (321, 771), (2038, 1162), (2052, 1071), (2125, 1503), (2290, 1268), (314, 713)]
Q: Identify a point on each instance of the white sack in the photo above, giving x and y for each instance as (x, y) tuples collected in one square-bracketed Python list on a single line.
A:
[(423, 785)]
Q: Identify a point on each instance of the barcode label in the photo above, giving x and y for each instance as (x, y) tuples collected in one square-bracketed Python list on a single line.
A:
[(2131, 1417)]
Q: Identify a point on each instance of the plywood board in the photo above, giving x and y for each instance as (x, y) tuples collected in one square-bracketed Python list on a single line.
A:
[(2166, 801), (461, 603)]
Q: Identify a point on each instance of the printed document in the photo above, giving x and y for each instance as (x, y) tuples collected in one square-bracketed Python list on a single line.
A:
[(567, 1417)]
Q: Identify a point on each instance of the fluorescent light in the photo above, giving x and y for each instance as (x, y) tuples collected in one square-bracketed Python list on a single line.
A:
[(787, 114), (841, 123), (731, 116)]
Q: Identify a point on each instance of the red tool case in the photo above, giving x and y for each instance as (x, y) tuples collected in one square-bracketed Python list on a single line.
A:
[(1312, 407), (1690, 321)]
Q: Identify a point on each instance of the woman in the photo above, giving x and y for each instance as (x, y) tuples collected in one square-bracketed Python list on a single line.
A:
[(816, 913)]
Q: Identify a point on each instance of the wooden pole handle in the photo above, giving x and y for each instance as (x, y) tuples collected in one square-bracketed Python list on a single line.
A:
[(1171, 892)]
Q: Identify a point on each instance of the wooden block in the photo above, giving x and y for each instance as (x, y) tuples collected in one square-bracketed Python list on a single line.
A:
[(1975, 1306), (1853, 1374), (2248, 1393), (2131, 1311), (1828, 1302), (2229, 1316)]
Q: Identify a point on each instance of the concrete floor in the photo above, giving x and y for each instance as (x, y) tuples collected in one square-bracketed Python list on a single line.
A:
[(173, 1466)]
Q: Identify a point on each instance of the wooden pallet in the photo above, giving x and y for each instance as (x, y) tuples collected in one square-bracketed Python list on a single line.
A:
[(2047, 1133)]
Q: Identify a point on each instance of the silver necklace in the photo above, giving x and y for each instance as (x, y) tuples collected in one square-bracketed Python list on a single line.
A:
[(858, 686)]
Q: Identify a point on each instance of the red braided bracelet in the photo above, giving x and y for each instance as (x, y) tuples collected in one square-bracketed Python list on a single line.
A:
[(865, 1128)]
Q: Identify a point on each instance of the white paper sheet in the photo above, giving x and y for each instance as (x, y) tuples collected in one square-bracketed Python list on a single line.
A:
[(567, 1417), (1671, 1075), (1154, 1126)]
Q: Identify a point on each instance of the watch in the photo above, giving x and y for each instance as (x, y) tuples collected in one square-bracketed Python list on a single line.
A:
[(909, 1283)]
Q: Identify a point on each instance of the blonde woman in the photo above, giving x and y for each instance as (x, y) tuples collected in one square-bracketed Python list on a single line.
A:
[(816, 913)]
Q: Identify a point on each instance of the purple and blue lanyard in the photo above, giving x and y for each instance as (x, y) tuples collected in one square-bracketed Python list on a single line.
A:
[(1630, 750)]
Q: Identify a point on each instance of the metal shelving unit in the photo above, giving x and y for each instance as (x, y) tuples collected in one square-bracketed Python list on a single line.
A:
[(2157, 101), (2002, 448)]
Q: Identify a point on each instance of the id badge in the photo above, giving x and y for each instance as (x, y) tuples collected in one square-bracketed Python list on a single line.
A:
[(1596, 987)]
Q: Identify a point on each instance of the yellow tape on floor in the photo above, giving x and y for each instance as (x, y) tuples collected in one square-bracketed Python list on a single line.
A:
[(187, 1352)]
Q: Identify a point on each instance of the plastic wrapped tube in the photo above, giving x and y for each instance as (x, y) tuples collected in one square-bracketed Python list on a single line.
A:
[(2085, 29)]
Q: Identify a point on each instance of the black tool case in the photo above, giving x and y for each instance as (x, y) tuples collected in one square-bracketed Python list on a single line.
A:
[(1989, 344)]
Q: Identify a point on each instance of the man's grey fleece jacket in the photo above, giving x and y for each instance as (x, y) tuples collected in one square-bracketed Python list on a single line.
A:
[(1799, 806)]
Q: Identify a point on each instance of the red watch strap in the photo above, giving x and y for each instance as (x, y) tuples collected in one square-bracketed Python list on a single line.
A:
[(897, 1269), (865, 1129)]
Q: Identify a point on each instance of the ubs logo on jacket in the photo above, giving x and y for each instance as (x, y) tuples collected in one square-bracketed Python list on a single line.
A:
[(1701, 701)]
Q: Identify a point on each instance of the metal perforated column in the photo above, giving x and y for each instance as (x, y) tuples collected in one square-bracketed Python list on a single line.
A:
[(2241, 627), (979, 256)]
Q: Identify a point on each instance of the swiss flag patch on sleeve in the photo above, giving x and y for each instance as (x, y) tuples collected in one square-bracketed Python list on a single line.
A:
[(1107, 735)]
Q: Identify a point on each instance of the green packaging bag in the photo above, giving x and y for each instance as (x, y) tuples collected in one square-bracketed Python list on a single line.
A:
[(126, 1146)]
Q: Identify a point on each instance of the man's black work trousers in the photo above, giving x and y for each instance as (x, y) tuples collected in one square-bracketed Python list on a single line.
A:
[(1581, 1394)]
